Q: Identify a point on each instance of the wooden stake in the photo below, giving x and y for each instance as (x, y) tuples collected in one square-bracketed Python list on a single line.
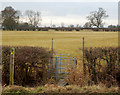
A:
[(84, 67), (12, 55), (52, 52), (52, 45)]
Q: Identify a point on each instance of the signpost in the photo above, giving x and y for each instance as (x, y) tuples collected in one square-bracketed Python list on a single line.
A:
[(12, 56)]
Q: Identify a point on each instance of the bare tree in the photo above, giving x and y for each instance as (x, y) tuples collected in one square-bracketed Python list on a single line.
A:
[(96, 17), (34, 17), (87, 25)]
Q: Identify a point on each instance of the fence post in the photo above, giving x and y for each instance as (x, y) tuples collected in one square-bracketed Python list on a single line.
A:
[(56, 68), (52, 53), (52, 45), (60, 63), (12, 55), (69, 63), (75, 62), (84, 67)]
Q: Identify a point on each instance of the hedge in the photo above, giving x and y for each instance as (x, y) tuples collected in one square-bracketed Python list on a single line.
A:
[(103, 65), (29, 64)]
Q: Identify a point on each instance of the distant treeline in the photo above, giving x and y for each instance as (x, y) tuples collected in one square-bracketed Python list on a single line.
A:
[(10, 20), (63, 29)]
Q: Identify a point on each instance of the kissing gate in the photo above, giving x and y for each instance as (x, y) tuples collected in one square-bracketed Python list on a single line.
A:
[(60, 65)]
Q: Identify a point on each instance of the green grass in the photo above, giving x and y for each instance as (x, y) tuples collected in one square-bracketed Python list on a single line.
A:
[(64, 42)]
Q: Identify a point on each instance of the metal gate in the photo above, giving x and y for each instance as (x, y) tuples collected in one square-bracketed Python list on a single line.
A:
[(61, 65)]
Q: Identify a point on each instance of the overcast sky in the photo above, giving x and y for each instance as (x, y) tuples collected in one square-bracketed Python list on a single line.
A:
[(66, 12)]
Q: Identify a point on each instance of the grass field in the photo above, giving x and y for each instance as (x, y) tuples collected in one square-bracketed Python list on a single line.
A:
[(64, 42)]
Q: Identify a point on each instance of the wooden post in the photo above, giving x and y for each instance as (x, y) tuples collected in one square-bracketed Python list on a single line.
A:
[(75, 62), (52, 53), (52, 45), (56, 68), (12, 55), (84, 67)]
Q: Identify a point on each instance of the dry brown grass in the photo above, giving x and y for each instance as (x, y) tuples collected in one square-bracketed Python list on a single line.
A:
[(16, 89), (52, 88), (77, 89), (76, 77)]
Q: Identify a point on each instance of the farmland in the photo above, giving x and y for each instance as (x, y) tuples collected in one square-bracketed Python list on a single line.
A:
[(64, 42)]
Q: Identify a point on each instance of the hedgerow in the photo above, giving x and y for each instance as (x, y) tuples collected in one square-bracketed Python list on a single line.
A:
[(30, 65), (103, 65)]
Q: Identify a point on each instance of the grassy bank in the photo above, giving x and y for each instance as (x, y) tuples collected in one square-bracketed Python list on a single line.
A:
[(58, 89)]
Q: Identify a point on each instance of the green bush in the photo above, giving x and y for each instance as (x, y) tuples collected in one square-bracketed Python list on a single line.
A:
[(30, 63)]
